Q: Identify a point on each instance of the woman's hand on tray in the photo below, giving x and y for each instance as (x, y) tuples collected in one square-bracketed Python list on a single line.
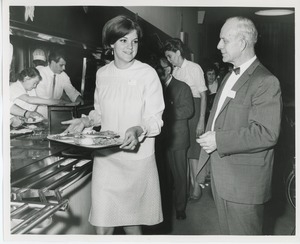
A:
[(131, 140)]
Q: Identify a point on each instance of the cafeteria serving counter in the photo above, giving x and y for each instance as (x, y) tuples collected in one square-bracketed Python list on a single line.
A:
[(50, 186)]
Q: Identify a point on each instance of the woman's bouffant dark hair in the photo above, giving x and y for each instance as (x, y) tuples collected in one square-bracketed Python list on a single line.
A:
[(29, 72), (118, 27)]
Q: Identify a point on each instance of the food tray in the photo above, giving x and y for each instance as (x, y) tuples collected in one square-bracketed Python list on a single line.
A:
[(95, 140)]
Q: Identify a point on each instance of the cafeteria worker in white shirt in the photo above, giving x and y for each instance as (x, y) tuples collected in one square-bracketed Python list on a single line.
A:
[(55, 81)]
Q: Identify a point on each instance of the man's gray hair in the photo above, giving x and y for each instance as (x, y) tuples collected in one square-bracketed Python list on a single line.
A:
[(246, 29)]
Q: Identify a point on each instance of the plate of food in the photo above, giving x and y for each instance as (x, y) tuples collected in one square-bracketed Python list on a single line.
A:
[(34, 120), (89, 140), (101, 134)]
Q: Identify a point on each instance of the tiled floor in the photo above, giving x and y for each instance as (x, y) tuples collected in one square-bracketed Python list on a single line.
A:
[(202, 219)]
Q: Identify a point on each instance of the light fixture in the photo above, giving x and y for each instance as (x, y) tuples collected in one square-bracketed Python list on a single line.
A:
[(274, 12), (182, 34)]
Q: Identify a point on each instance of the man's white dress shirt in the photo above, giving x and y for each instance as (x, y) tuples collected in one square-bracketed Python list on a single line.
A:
[(227, 92)]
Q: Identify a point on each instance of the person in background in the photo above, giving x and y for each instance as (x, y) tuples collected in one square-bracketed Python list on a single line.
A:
[(223, 70), (23, 98), (39, 58), (192, 74), (18, 115), (55, 81), (242, 130), (175, 142), (230, 68), (128, 101), (212, 85), (16, 112)]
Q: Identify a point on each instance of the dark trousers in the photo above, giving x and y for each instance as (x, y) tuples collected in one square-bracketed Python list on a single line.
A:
[(238, 218), (177, 161)]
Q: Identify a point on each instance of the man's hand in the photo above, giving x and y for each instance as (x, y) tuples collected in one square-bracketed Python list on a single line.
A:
[(208, 141), (79, 100), (75, 126)]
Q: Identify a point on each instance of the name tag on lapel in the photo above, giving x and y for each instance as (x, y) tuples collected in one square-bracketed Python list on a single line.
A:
[(132, 82), (231, 94)]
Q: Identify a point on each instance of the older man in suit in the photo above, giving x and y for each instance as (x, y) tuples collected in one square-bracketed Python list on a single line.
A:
[(175, 133), (242, 130)]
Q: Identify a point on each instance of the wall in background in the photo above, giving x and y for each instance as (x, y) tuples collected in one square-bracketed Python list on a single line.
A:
[(168, 19)]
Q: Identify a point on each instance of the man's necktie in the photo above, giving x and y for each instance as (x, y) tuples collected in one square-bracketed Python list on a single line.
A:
[(237, 70), (53, 88)]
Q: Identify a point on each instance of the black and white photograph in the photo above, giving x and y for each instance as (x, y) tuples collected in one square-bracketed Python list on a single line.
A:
[(149, 121)]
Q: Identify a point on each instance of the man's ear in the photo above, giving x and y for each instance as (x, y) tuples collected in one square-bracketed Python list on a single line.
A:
[(169, 70), (178, 53), (243, 44), (52, 62), (112, 46)]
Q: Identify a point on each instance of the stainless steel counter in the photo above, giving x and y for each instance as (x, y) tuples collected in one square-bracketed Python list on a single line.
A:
[(45, 177)]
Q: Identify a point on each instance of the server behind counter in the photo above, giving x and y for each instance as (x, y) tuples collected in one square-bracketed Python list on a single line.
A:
[(55, 81), (23, 99)]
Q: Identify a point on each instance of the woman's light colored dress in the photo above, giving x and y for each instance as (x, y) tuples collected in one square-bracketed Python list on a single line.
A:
[(125, 184)]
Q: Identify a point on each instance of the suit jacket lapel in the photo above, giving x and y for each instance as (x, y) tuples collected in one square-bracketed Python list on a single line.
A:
[(246, 75), (240, 82)]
